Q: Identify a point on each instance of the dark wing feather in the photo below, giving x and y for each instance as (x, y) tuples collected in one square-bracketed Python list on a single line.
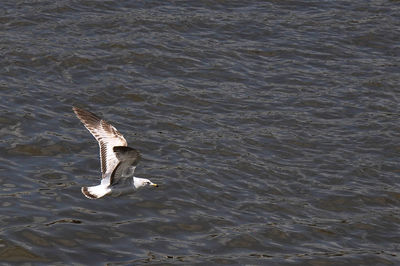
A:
[(128, 159), (127, 154)]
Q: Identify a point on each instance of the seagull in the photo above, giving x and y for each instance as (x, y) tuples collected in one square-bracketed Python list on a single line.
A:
[(118, 161)]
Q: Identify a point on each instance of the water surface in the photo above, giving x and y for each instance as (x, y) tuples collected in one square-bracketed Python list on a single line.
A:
[(272, 128)]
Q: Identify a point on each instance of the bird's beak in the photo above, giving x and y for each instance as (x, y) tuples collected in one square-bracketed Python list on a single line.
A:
[(154, 185)]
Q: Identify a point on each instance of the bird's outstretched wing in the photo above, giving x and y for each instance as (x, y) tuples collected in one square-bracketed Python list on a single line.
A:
[(106, 135)]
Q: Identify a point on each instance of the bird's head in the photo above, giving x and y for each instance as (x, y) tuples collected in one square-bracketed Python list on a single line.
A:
[(142, 182)]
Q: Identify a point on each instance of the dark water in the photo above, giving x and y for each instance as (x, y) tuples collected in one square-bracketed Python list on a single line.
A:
[(272, 128)]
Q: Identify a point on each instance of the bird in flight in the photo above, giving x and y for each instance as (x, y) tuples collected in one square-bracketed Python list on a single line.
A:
[(118, 161)]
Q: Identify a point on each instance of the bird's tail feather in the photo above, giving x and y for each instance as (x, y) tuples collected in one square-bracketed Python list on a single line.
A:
[(95, 192)]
